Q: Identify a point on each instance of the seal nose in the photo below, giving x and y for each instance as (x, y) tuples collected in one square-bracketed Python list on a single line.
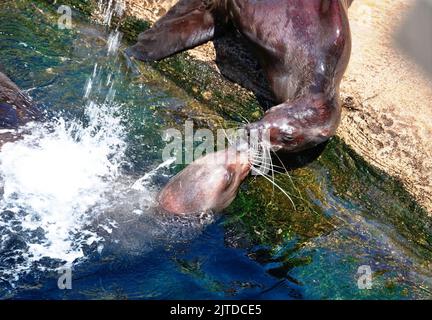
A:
[(244, 170), (242, 165)]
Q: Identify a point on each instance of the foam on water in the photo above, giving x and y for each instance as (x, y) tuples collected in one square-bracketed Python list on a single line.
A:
[(55, 176), (59, 177), (64, 194)]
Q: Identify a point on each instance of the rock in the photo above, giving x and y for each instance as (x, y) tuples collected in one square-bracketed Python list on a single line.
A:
[(15, 106), (392, 93), (15, 109)]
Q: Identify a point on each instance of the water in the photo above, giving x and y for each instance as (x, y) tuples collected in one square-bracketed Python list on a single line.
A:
[(79, 190), (60, 179)]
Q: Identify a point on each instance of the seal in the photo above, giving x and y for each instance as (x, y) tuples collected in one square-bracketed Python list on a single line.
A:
[(208, 184), (302, 46)]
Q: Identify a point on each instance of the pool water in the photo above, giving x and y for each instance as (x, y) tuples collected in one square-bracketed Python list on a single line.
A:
[(79, 193)]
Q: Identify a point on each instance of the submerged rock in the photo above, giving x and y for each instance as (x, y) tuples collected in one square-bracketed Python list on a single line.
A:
[(15, 106)]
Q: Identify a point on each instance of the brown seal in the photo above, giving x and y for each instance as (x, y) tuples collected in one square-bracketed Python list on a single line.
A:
[(303, 48)]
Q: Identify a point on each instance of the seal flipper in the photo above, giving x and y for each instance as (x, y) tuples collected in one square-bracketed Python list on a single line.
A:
[(186, 25)]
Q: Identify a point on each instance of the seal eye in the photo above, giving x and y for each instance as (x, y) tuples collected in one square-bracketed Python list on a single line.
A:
[(287, 138)]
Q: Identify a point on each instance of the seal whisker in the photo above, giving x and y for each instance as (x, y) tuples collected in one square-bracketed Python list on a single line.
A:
[(271, 164), (244, 118), (263, 174), (261, 165), (289, 176), (269, 167)]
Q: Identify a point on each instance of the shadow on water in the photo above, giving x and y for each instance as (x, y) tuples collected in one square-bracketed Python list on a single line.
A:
[(343, 215)]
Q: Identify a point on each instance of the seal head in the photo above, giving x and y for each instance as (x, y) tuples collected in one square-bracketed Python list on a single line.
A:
[(208, 184), (296, 126)]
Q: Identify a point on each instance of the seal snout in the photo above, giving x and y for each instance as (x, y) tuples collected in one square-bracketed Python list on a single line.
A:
[(263, 133)]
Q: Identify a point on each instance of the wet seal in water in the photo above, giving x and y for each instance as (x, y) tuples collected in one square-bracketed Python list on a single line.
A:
[(303, 48)]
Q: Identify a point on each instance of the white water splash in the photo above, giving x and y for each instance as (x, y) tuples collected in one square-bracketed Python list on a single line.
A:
[(145, 186), (89, 84), (142, 183), (114, 41), (109, 8), (56, 179), (57, 174), (64, 175)]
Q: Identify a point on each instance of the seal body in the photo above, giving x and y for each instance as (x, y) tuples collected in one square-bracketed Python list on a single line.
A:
[(303, 48)]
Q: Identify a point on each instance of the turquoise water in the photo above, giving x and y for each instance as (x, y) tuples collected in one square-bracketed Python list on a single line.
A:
[(79, 189)]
